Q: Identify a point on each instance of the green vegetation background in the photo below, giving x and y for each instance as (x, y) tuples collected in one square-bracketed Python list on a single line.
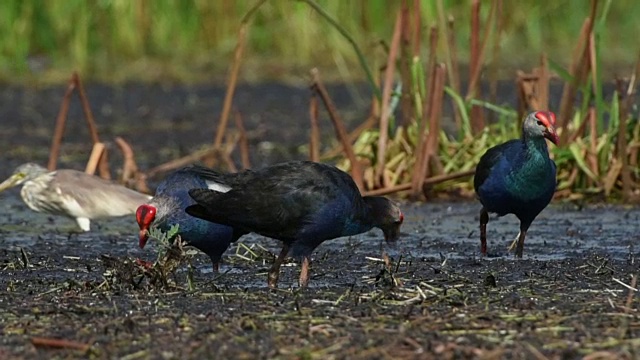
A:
[(193, 40)]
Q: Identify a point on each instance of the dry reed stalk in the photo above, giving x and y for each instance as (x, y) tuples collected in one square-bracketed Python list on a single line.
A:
[(103, 165), (226, 153), (527, 97), (242, 141), (533, 89), (353, 136), (59, 343), (453, 68), (521, 106), (418, 171), (447, 28), (338, 125), (474, 82), (61, 120), (572, 178), (180, 162), (231, 88), (314, 137), (417, 28), (404, 62), (592, 152), (524, 93), (543, 83), (431, 146), (430, 72), (129, 166), (593, 65), (429, 181), (474, 46), (477, 114), (477, 55), (386, 100), (428, 143), (630, 295), (140, 183), (579, 132), (96, 154), (494, 64), (622, 145), (233, 78), (570, 87)]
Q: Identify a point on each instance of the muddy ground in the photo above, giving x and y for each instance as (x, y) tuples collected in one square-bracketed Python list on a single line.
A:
[(568, 297)]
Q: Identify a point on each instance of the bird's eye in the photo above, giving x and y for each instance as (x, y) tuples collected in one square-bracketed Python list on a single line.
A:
[(540, 123)]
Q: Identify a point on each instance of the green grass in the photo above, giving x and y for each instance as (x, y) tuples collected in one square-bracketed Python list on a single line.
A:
[(600, 133), (116, 40)]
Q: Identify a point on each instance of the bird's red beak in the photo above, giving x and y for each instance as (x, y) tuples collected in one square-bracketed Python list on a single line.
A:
[(145, 215), (548, 118), (144, 236), (552, 135)]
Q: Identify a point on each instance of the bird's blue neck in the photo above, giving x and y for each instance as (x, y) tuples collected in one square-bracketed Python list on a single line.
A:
[(534, 170), (366, 217), (536, 144)]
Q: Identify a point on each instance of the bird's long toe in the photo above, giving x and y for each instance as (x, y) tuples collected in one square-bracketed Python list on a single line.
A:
[(514, 243), (520, 245)]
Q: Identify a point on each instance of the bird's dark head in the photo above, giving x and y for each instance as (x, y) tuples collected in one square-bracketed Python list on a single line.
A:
[(387, 215), (541, 123), (145, 215)]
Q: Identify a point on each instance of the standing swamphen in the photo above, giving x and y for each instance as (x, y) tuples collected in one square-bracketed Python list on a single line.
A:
[(518, 177), (167, 208), (301, 203)]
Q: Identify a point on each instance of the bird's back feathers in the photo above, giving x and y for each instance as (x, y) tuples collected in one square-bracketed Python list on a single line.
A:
[(78, 194)]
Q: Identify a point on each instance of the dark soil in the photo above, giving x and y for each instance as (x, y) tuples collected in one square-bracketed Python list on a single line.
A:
[(568, 297)]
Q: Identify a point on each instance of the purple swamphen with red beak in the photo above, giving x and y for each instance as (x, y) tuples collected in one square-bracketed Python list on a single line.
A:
[(167, 208), (518, 177), (301, 203)]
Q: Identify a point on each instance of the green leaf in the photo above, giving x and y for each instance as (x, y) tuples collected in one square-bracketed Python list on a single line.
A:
[(457, 99), (564, 74), (579, 159)]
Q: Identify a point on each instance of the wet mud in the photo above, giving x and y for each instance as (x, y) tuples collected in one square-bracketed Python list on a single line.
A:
[(572, 295), (565, 298)]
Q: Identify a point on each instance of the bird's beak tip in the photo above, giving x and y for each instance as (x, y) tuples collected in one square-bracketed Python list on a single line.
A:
[(390, 237), (552, 135), (9, 183), (144, 236)]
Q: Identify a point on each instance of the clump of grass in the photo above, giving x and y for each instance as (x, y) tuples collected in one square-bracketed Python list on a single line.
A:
[(161, 273), (168, 244), (600, 139)]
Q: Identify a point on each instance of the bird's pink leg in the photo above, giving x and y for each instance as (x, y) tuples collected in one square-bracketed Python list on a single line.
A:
[(274, 272), (304, 272), (484, 219), (520, 245)]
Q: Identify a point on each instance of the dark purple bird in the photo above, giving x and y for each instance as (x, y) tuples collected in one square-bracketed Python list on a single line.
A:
[(518, 177), (167, 208), (301, 203)]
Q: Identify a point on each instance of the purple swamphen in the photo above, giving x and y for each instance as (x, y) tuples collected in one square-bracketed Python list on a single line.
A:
[(518, 177), (301, 203), (167, 208)]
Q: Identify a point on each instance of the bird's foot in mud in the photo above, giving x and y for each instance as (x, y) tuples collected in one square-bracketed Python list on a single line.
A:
[(143, 263), (514, 243)]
